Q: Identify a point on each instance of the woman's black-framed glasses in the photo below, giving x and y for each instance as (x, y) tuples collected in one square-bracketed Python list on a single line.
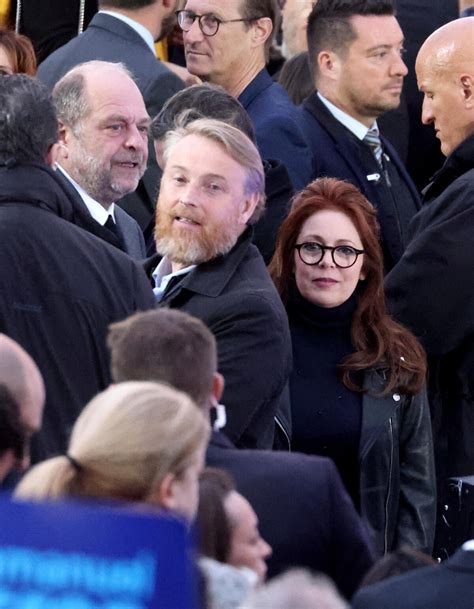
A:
[(343, 256), (208, 23)]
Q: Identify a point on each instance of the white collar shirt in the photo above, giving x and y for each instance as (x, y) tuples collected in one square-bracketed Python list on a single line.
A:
[(355, 126), (163, 274), (96, 210)]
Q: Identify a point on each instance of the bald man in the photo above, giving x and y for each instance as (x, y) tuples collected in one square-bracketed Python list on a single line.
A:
[(431, 289), (22, 397)]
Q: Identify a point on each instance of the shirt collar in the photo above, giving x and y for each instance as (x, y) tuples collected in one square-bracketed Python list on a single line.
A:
[(355, 126), (140, 29), (163, 274), (96, 210)]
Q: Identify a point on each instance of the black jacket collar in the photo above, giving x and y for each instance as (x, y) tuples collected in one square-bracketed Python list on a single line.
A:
[(211, 277), (458, 162), (36, 184)]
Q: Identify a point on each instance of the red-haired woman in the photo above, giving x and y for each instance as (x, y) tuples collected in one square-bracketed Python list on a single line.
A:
[(357, 386), (16, 54)]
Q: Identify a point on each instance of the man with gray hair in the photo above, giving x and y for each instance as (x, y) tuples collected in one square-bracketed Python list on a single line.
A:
[(125, 30), (61, 286), (212, 190), (103, 130)]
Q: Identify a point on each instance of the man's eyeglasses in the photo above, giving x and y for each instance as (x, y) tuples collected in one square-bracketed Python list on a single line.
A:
[(208, 24), (343, 256)]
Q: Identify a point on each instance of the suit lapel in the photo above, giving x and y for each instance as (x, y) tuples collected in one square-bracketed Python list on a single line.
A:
[(344, 144)]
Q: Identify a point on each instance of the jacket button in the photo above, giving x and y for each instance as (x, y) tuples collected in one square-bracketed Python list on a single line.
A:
[(396, 397)]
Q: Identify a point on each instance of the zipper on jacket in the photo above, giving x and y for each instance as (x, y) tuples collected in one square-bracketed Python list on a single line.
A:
[(389, 487), (285, 433)]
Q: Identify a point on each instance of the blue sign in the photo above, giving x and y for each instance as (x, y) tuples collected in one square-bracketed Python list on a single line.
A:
[(76, 556)]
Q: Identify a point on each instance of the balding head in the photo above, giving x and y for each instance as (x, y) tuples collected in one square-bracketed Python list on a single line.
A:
[(445, 72), (22, 380), (103, 129)]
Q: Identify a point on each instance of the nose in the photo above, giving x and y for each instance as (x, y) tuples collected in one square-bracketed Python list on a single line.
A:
[(327, 260), (137, 140), (266, 549), (194, 34), (398, 66), (426, 111)]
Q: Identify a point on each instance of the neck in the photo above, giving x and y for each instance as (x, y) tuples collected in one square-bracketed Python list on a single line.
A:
[(235, 83), (332, 96)]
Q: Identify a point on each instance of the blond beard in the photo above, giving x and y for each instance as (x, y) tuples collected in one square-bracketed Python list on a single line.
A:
[(184, 248)]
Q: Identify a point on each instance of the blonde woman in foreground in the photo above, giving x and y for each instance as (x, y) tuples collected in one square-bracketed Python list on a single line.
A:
[(137, 442)]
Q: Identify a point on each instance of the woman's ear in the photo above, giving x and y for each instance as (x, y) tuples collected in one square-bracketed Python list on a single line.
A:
[(164, 495)]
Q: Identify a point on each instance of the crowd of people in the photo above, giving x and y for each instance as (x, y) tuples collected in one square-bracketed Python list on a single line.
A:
[(246, 302)]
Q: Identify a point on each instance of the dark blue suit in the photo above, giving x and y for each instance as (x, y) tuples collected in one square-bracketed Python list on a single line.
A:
[(337, 153), (274, 118), (304, 512), (448, 586), (110, 39)]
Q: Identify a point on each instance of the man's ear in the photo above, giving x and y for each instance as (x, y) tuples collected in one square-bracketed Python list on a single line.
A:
[(248, 207), (261, 31), (54, 154), (467, 84), (329, 64), (218, 384)]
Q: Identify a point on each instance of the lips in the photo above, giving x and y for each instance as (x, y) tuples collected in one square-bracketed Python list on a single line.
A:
[(187, 221), (325, 281)]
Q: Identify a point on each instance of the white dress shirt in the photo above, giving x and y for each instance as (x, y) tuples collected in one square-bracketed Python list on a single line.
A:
[(163, 274), (96, 210)]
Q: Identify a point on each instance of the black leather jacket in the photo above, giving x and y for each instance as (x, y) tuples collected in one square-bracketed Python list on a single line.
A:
[(397, 479)]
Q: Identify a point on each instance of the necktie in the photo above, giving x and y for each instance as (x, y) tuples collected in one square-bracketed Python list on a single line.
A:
[(372, 139), (112, 226)]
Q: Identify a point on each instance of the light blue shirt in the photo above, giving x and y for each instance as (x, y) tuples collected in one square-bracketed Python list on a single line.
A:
[(162, 275), (355, 126), (140, 29)]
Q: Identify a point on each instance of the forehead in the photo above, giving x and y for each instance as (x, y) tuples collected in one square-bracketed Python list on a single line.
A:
[(334, 224), (376, 30), (202, 156), (114, 93), (221, 8), (240, 512), (428, 71)]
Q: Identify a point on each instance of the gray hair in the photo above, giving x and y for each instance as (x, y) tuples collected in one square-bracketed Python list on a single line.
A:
[(236, 144), (297, 589), (70, 92)]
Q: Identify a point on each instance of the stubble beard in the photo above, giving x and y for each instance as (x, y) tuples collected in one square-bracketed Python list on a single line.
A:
[(98, 181)]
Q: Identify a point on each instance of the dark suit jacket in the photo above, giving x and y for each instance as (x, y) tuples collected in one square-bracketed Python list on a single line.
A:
[(132, 237), (279, 136), (335, 153), (448, 586), (304, 512), (235, 297), (110, 39)]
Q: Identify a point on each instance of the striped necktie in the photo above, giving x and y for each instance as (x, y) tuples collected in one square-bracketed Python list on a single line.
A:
[(372, 139)]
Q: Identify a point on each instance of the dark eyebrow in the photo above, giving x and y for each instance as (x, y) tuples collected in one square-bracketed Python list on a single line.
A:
[(385, 47)]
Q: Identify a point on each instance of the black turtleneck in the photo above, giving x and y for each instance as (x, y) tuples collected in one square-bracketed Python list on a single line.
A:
[(326, 415)]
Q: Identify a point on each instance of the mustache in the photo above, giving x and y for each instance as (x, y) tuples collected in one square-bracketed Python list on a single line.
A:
[(132, 157), (183, 211)]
